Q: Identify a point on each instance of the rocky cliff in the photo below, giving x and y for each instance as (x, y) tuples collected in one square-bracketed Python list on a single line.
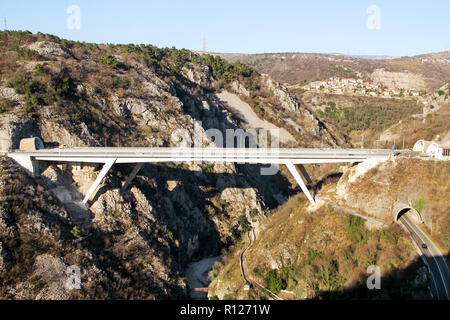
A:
[(134, 244), (322, 252)]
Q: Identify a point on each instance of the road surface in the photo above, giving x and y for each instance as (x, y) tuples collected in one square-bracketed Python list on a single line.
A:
[(440, 272), (244, 155)]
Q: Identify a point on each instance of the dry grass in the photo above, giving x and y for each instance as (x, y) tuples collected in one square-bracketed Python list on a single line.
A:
[(304, 245)]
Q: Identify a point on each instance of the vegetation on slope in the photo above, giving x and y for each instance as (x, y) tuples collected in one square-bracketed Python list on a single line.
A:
[(295, 68), (323, 254), (83, 80), (38, 241), (424, 184)]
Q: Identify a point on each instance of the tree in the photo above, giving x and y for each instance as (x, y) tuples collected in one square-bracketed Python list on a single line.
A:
[(273, 282), (109, 60), (244, 224)]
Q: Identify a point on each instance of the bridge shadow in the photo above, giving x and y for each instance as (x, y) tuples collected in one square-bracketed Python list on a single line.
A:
[(328, 179), (184, 210), (397, 284), (200, 186)]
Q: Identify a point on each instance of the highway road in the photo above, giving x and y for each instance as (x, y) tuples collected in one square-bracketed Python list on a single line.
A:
[(244, 155), (440, 272)]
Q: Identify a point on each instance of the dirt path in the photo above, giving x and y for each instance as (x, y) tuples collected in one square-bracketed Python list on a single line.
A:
[(251, 117)]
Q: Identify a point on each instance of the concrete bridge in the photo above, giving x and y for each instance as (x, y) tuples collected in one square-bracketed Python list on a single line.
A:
[(138, 156)]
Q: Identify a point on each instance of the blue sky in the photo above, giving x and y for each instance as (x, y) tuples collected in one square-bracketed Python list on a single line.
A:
[(246, 26)]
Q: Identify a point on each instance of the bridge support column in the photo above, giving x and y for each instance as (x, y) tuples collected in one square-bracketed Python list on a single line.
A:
[(99, 179), (131, 176), (27, 162), (300, 182), (305, 175)]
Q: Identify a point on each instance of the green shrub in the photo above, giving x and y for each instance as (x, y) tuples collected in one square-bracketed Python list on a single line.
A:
[(274, 282), (109, 60), (76, 233), (38, 70), (420, 204), (244, 224), (312, 256), (62, 86), (254, 212), (6, 105), (210, 168), (332, 104), (354, 226), (328, 276)]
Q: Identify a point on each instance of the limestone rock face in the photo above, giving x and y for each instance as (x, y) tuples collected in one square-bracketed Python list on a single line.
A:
[(240, 89), (199, 75), (50, 49), (287, 100), (3, 258), (51, 271), (9, 93), (13, 128), (241, 200), (399, 79)]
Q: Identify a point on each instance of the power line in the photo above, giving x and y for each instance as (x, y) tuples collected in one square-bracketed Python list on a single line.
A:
[(204, 43)]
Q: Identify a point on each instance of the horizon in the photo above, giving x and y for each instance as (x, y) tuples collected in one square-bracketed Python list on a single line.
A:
[(366, 28), (365, 56)]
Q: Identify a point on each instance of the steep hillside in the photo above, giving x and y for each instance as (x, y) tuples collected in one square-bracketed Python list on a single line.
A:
[(88, 94), (80, 94), (429, 71), (39, 240), (371, 120), (301, 252), (374, 189), (323, 254)]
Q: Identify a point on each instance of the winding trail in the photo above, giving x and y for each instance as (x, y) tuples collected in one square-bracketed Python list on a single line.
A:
[(353, 213), (251, 238)]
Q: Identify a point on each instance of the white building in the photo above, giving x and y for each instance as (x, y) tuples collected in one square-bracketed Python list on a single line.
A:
[(421, 146), (432, 149)]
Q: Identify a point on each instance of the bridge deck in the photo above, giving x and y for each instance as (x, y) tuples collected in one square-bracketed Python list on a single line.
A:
[(253, 155)]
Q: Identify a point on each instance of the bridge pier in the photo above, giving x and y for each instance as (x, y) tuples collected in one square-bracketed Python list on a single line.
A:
[(132, 176), (109, 163), (300, 182), (27, 162)]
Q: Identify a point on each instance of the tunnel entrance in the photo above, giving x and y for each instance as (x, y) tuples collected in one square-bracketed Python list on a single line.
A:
[(402, 209), (401, 213)]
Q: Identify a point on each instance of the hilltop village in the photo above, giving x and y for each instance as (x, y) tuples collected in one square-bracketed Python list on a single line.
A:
[(353, 86)]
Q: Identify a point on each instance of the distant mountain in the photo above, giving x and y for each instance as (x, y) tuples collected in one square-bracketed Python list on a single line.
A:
[(428, 71), (368, 57)]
